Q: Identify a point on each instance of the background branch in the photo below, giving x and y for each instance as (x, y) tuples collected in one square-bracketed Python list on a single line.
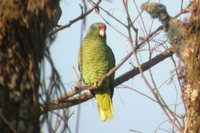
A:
[(82, 16)]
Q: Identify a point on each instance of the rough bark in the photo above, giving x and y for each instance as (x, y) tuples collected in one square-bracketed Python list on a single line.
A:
[(23, 28), (191, 58)]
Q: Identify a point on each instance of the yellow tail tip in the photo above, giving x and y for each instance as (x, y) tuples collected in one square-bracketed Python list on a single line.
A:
[(105, 112), (106, 115), (105, 108)]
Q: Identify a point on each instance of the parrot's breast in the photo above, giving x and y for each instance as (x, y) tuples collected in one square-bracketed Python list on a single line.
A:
[(94, 60)]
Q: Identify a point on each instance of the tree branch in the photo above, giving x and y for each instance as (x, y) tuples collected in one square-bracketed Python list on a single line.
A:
[(65, 101), (145, 66)]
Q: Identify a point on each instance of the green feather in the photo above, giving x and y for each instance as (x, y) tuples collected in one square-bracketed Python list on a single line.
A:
[(95, 59)]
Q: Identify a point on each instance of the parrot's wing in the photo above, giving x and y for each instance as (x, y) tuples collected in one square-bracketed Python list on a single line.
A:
[(112, 65), (112, 57)]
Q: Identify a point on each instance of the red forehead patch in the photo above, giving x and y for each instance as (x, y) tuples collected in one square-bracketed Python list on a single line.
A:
[(102, 26)]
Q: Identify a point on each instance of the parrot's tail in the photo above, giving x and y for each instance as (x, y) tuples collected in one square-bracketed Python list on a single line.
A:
[(105, 109)]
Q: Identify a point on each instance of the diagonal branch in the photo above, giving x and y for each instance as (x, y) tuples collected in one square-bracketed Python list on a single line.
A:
[(145, 66), (66, 102)]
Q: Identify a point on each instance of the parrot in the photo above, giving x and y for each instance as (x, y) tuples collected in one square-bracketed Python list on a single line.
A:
[(95, 59)]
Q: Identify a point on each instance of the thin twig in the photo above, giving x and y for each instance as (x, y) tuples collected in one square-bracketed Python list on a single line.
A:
[(110, 15), (75, 20), (124, 86), (142, 74)]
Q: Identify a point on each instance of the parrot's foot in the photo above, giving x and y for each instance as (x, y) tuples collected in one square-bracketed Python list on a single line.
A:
[(95, 85)]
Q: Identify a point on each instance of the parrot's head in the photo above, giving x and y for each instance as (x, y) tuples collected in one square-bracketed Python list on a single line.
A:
[(97, 30)]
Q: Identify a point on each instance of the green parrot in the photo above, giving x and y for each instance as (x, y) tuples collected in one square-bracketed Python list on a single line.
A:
[(95, 59)]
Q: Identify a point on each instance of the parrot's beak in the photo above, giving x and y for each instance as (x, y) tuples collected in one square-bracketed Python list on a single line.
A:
[(102, 32)]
